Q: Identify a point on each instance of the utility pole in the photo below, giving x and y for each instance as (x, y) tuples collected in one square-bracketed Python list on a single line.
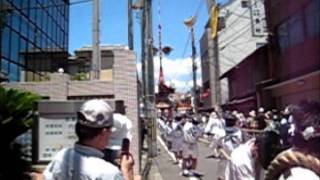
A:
[(217, 72), (130, 26), (143, 57), (194, 71), (149, 78), (189, 23), (96, 58)]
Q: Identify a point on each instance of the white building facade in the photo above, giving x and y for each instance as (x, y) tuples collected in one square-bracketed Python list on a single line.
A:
[(242, 29)]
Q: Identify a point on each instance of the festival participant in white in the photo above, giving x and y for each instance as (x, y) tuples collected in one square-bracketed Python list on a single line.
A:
[(190, 153)]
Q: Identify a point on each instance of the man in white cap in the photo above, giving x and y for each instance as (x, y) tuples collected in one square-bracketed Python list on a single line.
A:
[(84, 160)]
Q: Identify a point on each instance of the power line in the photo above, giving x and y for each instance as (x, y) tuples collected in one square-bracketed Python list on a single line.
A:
[(200, 5), (244, 42), (186, 45), (236, 47), (238, 36), (201, 2), (245, 26), (241, 15)]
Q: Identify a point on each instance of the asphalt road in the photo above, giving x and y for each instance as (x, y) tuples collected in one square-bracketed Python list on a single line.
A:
[(211, 168)]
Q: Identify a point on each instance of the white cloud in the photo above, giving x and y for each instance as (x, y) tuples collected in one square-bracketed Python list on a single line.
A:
[(199, 82), (176, 71)]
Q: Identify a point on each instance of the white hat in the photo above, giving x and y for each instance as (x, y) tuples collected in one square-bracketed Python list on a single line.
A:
[(122, 129), (95, 113)]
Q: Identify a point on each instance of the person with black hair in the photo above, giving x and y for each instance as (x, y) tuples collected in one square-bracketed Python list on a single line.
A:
[(302, 160), (191, 134), (84, 160), (233, 134), (177, 138)]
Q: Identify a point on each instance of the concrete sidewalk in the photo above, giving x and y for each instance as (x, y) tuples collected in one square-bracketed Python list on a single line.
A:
[(149, 167)]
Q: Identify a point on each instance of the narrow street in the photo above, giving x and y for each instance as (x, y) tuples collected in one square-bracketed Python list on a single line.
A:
[(210, 168)]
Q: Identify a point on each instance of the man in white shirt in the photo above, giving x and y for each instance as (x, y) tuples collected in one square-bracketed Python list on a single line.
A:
[(84, 160), (215, 130), (248, 159), (242, 163), (233, 134)]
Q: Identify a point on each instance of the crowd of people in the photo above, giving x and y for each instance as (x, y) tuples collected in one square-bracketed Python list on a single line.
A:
[(263, 144)]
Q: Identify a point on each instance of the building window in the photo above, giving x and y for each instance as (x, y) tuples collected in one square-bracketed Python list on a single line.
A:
[(221, 23), (259, 44), (13, 72), (4, 66), (24, 27), (282, 32), (258, 30), (16, 21), (256, 12), (6, 42), (14, 51), (312, 14), (245, 4)]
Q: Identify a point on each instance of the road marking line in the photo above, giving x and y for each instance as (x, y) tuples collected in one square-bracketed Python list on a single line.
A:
[(166, 148)]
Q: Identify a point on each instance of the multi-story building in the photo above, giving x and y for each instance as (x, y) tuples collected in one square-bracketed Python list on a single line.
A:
[(286, 70), (241, 30), (32, 31), (81, 62), (294, 52), (119, 84), (244, 81)]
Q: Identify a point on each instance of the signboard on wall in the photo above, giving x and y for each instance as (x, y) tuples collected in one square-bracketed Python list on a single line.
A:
[(54, 135), (55, 128)]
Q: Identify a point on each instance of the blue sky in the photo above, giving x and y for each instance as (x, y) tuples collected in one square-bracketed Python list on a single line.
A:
[(114, 31)]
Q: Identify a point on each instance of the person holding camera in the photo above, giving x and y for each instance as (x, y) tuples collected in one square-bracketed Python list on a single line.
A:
[(85, 159)]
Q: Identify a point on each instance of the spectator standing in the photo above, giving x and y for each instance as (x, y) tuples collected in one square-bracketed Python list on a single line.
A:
[(84, 160)]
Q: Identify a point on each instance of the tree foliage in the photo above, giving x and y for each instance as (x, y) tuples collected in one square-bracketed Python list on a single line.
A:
[(81, 76), (16, 115)]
